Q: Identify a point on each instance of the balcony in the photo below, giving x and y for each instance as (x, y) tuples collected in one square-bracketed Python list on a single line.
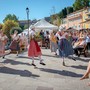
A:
[(75, 16), (88, 18), (88, 13)]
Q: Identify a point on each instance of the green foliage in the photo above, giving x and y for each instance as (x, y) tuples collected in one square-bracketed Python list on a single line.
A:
[(69, 10), (8, 25), (15, 28), (21, 26), (63, 13), (80, 4), (25, 26), (1, 26), (10, 17)]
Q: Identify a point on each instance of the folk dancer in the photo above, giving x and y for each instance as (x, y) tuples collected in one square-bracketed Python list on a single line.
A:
[(3, 40), (64, 47), (34, 49), (15, 42)]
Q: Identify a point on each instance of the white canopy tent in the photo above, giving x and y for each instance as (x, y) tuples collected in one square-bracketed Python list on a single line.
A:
[(44, 25), (25, 31)]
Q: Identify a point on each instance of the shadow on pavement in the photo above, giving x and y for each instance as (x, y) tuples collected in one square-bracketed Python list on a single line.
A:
[(35, 58), (81, 59), (63, 72), (24, 73), (80, 67), (56, 56), (13, 62)]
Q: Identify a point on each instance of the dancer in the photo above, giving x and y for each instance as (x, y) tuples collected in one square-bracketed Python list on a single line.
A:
[(34, 49), (15, 42), (3, 40), (64, 47)]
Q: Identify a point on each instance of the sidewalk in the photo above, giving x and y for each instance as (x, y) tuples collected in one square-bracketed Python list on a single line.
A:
[(17, 73)]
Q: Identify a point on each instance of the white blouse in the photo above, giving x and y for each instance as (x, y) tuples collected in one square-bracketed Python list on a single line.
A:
[(32, 33), (60, 37), (15, 37)]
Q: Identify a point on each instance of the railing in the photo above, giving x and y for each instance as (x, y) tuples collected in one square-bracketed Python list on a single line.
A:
[(75, 16)]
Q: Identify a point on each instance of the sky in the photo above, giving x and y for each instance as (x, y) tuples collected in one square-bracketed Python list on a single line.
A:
[(38, 9)]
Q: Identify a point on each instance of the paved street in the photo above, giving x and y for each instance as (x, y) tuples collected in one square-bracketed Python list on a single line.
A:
[(17, 73)]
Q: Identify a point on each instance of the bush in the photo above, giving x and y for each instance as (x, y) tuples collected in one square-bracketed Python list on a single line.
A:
[(8, 25), (15, 28)]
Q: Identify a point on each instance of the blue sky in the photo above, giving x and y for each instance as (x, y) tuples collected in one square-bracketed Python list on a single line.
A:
[(37, 8)]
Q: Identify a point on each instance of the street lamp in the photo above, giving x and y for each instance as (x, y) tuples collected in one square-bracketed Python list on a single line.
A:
[(27, 11)]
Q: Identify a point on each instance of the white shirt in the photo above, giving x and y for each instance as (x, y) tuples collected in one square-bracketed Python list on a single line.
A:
[(60, 37), (32, 33), (87, 39), (15, 37), (57, 35), (2, 38)]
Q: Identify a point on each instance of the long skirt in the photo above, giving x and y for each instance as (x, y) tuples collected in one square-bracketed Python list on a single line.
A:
[(65, 48), (14, 45), (34, 49), (53, 47), (2, 48)]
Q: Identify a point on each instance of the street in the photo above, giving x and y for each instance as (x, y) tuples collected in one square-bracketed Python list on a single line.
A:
[(17, 73)]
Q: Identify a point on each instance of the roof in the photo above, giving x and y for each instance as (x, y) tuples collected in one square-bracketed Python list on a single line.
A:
[(43, 24)]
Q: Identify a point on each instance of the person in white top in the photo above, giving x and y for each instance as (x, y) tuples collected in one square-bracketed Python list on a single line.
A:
[(34, 49)]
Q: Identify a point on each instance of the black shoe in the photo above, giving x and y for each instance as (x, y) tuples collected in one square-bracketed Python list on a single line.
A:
[(3, 57), (42, 63), (63, 63), (74, 59), (33, 64)]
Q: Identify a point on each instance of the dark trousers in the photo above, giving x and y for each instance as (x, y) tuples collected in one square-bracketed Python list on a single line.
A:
[(78, 50)]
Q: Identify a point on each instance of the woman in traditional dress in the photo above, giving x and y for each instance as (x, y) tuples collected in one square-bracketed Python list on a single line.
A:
[(3, 40), (34, 49), (64, 46), (15, 42)]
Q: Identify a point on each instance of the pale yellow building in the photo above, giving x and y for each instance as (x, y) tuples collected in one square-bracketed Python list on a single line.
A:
[(78, 20), (86, 18)]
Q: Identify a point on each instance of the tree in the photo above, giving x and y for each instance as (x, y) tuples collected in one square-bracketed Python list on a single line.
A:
[(64, 12), (8, 25), (80, 4), (15, 28), (1, 26), (25, 26), (11, 17), (69, 10), (53, 18)]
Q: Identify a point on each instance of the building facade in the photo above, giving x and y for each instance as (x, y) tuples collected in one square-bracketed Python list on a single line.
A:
[(86, 18), (77, 20)]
